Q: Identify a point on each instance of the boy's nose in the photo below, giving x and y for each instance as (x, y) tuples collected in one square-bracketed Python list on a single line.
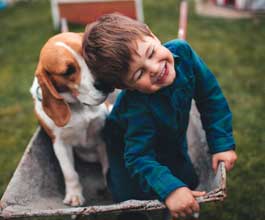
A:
[(152, 73), (153, 68)]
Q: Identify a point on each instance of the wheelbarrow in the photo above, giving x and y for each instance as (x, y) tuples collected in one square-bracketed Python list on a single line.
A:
[(37, 186)]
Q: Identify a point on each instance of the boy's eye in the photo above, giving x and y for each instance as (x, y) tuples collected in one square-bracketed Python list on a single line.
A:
[(152, 53), (138, 74)]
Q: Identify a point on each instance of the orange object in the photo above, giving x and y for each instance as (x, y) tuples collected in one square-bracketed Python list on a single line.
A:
[(86, 11)]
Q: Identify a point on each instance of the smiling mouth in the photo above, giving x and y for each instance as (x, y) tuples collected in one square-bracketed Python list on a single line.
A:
[(162, 76)]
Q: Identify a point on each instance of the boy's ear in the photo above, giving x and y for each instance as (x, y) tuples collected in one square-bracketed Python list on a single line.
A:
[(123, 86), (128, 88), (120, 87)]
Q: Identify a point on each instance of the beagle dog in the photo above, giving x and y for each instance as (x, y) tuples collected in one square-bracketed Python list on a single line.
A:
[(68, 105)]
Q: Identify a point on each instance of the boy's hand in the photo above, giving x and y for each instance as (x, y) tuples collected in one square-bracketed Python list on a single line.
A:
[(181, 202), (229, 157)]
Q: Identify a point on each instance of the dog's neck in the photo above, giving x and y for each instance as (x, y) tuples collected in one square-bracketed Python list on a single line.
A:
[(74, 103)]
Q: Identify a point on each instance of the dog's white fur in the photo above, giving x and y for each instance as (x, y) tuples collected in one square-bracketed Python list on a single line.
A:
[(86, 120)]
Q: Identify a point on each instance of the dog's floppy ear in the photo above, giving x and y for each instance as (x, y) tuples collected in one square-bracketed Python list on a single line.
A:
[(53, 104)]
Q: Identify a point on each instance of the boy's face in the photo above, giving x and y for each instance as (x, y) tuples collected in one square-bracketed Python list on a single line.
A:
[(152, 67)]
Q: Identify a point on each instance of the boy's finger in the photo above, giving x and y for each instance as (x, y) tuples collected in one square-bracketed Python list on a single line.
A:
[(182, 214), (189, 211), (195, 207), (228, 165), (214, 164), (174, 216), (198, 193)]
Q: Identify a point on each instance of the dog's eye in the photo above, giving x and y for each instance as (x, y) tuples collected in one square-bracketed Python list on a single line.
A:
[(70, 70), (47, 72)]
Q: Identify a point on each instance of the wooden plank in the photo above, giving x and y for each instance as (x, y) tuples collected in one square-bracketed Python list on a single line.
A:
[(86, 12)]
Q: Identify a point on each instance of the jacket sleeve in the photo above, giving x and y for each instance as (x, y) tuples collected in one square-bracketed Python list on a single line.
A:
[(214, 110), (139, 154)]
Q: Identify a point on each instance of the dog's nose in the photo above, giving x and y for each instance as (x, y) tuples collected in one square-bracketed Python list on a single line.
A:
[(103, 87)]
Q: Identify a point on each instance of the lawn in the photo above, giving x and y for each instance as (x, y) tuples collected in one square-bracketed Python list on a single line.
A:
[(233, 49)]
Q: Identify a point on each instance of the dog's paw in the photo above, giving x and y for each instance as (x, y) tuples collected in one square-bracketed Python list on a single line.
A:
[(74, 199)]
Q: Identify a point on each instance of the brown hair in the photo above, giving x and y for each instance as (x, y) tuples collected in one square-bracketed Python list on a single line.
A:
[(108, 45)]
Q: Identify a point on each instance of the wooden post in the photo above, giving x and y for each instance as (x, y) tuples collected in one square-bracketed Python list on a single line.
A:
[(183, 17), (64, 25)]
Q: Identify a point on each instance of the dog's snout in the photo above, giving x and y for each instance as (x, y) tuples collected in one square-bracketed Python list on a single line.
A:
[(103, 87)]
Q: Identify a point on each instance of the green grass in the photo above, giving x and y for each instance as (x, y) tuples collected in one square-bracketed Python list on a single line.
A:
[(24, 28), (233, 49)]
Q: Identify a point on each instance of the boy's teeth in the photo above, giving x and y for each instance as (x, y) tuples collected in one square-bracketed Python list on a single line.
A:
[(162, 74), (157, 78)]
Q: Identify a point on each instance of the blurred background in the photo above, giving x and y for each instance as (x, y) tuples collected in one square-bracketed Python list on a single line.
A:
[(228, 34)]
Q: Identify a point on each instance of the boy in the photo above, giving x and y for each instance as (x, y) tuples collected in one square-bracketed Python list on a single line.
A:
[(146, 130)]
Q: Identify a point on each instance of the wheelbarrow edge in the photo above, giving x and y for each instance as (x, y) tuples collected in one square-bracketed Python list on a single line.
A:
[(217, 194)]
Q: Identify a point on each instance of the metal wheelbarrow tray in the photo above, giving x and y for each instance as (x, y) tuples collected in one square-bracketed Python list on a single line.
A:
[(37, 186)]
